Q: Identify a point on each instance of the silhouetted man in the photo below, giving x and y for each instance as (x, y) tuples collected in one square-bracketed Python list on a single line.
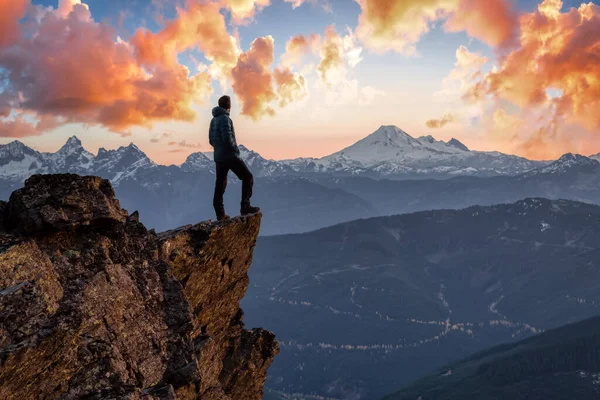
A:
[(227, 157)]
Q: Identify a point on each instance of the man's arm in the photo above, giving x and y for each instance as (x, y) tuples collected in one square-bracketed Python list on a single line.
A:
[(227, 135)]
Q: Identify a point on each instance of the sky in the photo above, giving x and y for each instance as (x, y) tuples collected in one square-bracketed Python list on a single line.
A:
[(307, 77)]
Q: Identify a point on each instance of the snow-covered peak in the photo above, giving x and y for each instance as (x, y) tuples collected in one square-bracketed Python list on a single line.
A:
[(390, 144), (427, 139), (73, 144), (389, 136), (121, 163), (13, 150), (457, 144), (198, 162), (566, 163), (18, 161), (72, 157), (260, 166)]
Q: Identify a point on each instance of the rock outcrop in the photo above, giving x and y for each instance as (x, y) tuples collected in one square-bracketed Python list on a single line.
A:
[(95, 306)]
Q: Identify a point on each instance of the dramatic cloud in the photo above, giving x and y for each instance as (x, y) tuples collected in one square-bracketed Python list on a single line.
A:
[(558, 52), (491, 21), (299, 46), (200, 26), (440, 123), (336, 51), (244, 10), (10, 13), (291, 87), (397, 25), (23, 125), (65, 7), (252, 79), (73, 68), (464, 80), (332, 64)]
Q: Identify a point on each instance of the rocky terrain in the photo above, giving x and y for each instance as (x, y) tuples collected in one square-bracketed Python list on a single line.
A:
[(95, 306)]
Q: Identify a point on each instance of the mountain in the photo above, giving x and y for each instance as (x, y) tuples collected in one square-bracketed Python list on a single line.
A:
[(559, 364), (17, 161), (168, 196), (363, 308), (72, 157), (571, 177), (122, 163), (391, 152), (95, 306), (568, 163), (198, 162)]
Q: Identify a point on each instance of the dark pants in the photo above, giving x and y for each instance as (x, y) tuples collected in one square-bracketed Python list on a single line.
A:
[(240, 169)]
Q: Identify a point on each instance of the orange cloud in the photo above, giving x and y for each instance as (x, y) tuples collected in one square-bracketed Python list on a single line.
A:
[(73, 69), (252, 80), (244, 10), (392, 25), (10, 13), (559, 52), (332, 65), (440, 123), (24, 125), (291, 87), (200, 26), (491, 21), (298, 46), (65, 7)]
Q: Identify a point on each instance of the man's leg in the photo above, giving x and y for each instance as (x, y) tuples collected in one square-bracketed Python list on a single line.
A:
[(220, 186), (240, 169)]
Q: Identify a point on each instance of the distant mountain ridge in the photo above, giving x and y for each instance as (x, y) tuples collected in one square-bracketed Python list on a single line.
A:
[(388, 152), (297, 200), (392, 153)]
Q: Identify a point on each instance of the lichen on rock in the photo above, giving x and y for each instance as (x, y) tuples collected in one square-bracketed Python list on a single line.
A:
[(95, 306)]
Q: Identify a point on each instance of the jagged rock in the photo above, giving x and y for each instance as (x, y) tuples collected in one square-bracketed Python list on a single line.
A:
[(97, 310), (63, 201)]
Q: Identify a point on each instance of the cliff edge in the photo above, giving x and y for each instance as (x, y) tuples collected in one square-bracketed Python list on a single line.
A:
[(95, 306)]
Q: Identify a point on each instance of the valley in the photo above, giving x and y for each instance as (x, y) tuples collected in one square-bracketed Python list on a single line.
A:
[(366, 307)]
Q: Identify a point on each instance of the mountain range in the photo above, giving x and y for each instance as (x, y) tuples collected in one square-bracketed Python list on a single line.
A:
[(392, 153), (363, 308), (307, 194)]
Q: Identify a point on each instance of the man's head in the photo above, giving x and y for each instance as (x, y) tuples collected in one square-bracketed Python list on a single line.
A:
[(225, 102)]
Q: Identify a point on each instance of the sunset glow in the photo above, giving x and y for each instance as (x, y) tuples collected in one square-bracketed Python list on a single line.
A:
[(308, 77)]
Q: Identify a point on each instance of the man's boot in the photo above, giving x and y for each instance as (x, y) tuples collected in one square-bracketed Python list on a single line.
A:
[(248, 209), (223, 217)]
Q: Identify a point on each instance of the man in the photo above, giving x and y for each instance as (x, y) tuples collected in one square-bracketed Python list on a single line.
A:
[(227, 157)]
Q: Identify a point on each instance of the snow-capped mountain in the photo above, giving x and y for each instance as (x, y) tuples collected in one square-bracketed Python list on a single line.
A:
[(391, 152), (568, 163), (121, 163), (72, 157), (18, 161), (198, 162), (260, 166)]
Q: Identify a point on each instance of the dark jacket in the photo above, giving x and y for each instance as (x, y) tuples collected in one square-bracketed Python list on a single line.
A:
[(222, 136)]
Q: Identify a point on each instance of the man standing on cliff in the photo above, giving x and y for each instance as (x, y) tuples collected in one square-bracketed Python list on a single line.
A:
[(227, 157)]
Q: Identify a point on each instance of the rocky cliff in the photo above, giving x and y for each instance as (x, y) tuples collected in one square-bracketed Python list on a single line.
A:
[(95, 306)]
